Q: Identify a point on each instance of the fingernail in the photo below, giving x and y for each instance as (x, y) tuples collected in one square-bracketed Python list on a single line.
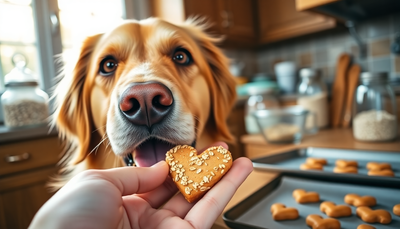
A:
[(158, 164)]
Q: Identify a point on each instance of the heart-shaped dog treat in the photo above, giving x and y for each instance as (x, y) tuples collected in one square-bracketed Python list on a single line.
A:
[(195, 174)]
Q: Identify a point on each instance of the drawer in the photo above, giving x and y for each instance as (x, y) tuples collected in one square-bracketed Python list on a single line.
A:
[(24, 155)]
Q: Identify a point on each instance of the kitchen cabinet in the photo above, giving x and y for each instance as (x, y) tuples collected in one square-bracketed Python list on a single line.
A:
[(234, 19), (279, 20), (25, 168), (246, 23), (308, 4), (354, 10)]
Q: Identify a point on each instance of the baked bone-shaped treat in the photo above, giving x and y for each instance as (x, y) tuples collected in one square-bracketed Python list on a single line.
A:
[(302, 197), (345, 163), (311, 167), (374, 216), (313, 160), (195, 174), (349, 169), (396, 209), (317, 222), (385, 172), (357, 201), (365, 226), (281, 212), (378, 166), (333, 210)]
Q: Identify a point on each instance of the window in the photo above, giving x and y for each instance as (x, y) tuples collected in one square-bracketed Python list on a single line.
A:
[(42, 29)]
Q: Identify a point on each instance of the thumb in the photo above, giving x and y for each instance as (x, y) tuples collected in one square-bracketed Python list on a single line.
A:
[(131, 180)]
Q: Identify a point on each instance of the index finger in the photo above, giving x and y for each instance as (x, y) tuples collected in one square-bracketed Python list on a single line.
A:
[(131, 180)]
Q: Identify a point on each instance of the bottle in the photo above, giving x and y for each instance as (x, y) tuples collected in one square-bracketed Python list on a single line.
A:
[(24, 103), (374, 109), (313, 96), (260, 98)]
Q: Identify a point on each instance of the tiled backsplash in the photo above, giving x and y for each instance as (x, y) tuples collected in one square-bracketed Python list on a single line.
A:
[(322, 50)]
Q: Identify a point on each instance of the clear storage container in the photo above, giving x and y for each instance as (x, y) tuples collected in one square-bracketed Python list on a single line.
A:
[(260, 98), (374, 109), (313, 96), (24, 103)]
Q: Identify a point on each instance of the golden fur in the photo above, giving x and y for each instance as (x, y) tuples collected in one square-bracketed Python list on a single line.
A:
[(86, 114)]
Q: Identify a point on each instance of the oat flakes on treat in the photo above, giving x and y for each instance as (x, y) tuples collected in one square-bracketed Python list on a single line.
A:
[(302, 197), (374, 216), (281, 212), (317, 222), (335, 211), (195, 174), (357, 201)]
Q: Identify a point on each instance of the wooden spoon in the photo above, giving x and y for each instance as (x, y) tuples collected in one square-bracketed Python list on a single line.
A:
[(338, 90), (352, 82)]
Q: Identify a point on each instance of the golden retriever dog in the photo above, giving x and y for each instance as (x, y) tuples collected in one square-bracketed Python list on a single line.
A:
[(139, 90)]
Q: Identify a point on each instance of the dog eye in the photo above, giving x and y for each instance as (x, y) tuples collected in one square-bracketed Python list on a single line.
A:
[(182, 56), (108, 66)]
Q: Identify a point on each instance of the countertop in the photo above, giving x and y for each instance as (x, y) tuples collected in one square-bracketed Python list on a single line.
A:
[(8, 135), (329, 138)]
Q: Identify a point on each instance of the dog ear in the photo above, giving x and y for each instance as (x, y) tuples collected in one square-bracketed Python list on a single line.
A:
[(72, 114), (223, 84)]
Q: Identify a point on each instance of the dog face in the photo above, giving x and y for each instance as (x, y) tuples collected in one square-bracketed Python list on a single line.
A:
[(143, 88)]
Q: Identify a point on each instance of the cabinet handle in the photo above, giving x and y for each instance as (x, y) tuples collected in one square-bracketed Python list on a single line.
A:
[(17, 158)]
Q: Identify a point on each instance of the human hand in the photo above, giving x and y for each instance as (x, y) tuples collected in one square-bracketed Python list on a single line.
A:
[(131, 197)]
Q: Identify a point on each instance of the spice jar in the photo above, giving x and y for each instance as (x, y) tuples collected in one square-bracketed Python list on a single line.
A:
[(313, 96), (261, 97), (374, 109), (24, 103)]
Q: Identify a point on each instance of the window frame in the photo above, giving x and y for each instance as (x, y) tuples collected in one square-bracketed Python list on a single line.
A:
[(48, 38)]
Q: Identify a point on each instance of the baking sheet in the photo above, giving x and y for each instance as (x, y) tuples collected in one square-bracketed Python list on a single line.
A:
[(254, 212), (291, 161)]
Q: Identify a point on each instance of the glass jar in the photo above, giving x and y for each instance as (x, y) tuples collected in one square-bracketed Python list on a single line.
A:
[(313, 96), (260, 98), (374, 109), (310, 82), (23, 102)]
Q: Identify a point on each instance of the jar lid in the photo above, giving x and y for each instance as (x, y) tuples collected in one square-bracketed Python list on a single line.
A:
[(309, 73), (368, 77), (20, 75), (261, 90)]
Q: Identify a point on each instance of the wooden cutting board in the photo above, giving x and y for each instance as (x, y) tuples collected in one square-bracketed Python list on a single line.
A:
[(352, 82), (339, 90)]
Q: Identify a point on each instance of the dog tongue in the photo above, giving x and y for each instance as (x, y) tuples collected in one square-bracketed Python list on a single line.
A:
[(151, 152)]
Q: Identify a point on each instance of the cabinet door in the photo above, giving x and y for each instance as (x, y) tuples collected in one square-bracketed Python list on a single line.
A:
[(280, 20), (210, 9), (240, 18), (21, 196)]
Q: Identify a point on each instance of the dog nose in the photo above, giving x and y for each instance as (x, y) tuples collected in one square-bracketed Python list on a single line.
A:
[(146, 103)]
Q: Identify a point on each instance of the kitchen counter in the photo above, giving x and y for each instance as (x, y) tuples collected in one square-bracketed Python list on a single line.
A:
[(255, 146), (8, 135)]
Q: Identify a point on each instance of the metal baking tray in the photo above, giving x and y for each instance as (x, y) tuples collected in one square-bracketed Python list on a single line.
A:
[(289, 162), (254, 211)]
